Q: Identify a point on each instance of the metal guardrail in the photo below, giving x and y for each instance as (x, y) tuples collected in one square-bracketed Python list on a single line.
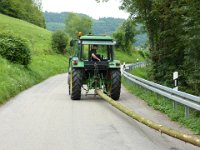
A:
[(190, 101)]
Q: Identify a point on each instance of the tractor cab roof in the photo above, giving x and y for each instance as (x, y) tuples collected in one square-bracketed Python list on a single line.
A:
[(97, 40)]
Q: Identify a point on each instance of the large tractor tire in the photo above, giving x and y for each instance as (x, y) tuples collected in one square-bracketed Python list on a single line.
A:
[(75, 84), (115, 84)]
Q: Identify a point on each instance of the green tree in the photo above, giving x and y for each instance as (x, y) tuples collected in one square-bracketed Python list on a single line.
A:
[(191, 41), (75, 23), (125, 35), (174, 37)]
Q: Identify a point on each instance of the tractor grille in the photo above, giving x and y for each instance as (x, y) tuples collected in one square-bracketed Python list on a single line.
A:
[(90, 65)]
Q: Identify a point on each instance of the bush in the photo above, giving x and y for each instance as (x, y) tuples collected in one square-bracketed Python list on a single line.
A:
[(144, 53), (14, 49), (59, 41)]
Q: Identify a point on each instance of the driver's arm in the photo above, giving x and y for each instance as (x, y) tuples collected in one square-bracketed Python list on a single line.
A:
[(95, 57)]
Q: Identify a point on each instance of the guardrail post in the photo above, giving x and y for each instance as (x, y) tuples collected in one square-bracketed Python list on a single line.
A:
[(187, 112), (174, 105)]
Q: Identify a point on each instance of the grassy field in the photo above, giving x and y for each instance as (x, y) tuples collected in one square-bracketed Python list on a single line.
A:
[(15, 78), (38, 38), (163, 104)]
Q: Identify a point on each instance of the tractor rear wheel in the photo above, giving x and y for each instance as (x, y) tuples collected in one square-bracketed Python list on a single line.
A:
[(115, 84), (68, 81), (75, 84)]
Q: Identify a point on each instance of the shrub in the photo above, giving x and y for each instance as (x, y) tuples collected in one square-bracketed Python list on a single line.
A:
[(14, 49), (59, 41)]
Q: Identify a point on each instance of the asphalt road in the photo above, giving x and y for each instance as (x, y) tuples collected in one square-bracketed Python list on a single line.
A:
[(45, 118)]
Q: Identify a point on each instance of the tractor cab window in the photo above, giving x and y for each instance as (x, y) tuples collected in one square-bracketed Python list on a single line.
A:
[(103, 52), (84, 52)]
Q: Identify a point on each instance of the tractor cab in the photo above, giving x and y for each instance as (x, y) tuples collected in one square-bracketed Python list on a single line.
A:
[(104, 51), (93, 67), (104, 46)]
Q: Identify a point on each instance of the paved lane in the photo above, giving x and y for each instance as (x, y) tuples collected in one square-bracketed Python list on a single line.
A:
[(44, 118)]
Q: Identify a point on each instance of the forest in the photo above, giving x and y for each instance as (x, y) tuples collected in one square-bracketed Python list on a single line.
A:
[(173, 29)]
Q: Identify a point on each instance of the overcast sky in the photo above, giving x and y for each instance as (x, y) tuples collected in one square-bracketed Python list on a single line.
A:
[(89, 7)]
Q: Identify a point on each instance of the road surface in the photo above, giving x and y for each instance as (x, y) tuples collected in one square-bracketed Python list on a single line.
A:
[(44, 118)]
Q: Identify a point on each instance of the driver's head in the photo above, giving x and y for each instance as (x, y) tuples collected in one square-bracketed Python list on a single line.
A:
[(94, 46)]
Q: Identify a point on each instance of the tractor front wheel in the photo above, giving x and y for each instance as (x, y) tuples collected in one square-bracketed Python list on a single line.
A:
[(75, 84)]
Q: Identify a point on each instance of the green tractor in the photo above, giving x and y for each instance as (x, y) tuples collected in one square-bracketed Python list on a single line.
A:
[(88, 73)]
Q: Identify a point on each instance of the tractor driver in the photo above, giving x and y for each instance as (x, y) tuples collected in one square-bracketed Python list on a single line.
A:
[(93, 52)]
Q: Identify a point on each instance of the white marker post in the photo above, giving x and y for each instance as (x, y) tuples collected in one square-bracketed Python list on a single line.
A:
[(175, 78), (123, 67)]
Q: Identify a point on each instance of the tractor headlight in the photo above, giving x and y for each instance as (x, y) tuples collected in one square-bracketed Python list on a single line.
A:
[(75, 61)]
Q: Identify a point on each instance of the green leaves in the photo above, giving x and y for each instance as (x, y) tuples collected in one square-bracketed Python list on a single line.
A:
[(75, 23), (124, 36), (174, 38)]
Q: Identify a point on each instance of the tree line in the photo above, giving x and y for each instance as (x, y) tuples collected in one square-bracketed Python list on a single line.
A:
[(105, 25), (28, 10)]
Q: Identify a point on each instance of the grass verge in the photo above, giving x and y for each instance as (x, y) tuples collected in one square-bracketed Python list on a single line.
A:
[(141, 72), (16, 78), (125, 57), (165, 105)]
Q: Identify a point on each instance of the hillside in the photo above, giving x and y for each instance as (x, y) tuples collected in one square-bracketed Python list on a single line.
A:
[(14, 77), (39, 38), (106, 25), (56, 21)]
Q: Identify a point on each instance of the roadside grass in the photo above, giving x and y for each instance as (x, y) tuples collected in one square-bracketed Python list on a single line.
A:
[(141, 72), (163, 104), (16, 78), (127, 58)]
